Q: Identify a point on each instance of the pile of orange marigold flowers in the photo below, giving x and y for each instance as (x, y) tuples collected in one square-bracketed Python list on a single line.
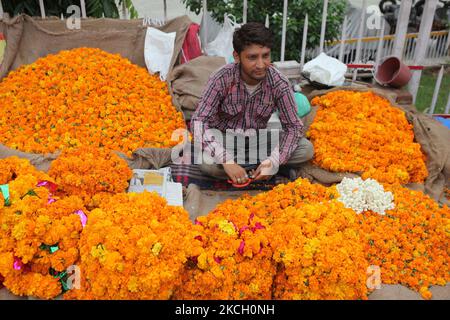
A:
[(85, 96), (87, 171), (363, 132)]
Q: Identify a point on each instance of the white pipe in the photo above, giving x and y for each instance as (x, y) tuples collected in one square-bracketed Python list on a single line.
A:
[(267, 21), (283, 34), (324, 24), (305, 38)]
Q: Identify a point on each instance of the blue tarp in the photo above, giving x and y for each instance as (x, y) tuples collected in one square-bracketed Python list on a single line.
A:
[(444, 121)]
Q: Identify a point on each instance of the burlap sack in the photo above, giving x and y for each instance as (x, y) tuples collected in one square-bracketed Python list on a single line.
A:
[(430, 134), (187, 81), (29, 39)]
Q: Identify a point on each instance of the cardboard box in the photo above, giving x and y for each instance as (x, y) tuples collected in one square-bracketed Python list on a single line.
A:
[(159, 181)]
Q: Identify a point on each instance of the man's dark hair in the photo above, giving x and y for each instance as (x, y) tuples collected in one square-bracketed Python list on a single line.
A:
[(252, 33)]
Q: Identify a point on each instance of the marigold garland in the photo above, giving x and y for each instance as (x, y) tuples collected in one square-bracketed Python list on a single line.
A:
[(134, 246), (410, 243), (39, 233), (236, 259), (320, 252), (87, 171), (363, 132), (85, 96), (296, 241)]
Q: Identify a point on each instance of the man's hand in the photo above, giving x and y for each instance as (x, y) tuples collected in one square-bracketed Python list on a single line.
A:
[(264, 171), (236, 173)]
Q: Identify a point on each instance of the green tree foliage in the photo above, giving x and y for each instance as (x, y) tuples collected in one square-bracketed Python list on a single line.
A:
[(94, 8), (258, 9)]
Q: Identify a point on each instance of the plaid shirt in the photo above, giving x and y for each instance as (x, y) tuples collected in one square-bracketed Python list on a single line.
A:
[(226, 104)]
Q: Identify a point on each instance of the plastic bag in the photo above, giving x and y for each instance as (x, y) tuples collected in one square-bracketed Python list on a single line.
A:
[(222, 46), (158, 51), (326, 70)]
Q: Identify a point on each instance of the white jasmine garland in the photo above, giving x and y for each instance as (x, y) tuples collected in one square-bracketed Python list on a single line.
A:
[(363, 195)]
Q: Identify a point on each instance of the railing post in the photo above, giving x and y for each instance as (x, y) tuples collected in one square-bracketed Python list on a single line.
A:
[(402, 28), (244, 14), (324, 24), (267, 21), (41, 6), (447, 107), (343, 38), (283, 33), (380, 43), (305, 38), (83, 9), (124, 11), (360, 35), (165, 9), (205, 27), (436, 90), (421, 45), (447, 44), (1, 10)]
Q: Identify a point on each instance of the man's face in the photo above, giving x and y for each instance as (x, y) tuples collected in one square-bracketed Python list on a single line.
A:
[(254, 59)]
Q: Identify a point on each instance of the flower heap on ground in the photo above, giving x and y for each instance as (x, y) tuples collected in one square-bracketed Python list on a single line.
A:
[(363, 132), (88, 171), (39, 232), (134, 246), (85, 96)]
